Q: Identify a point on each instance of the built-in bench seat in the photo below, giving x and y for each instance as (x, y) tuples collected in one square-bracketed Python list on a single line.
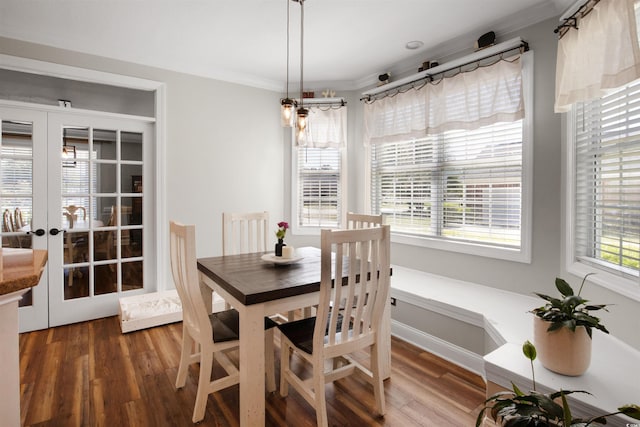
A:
[(504, 321)]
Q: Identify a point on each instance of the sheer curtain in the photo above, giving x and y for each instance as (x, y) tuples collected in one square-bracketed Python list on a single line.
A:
[(327, 128), (601, 54), (467, 101), (474, 99)]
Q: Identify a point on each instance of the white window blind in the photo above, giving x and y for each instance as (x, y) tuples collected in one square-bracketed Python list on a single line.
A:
[(319, 181), (607, 182), (463, 185), (16, 166)]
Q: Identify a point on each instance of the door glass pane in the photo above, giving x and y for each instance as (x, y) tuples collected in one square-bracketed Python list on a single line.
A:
[(131, 146), (131, 275), (131, 178), (16, 187), (76, 251), (106, 177), (104, 245), (132, 205), (105, 278), (76, 282), (104, 144)]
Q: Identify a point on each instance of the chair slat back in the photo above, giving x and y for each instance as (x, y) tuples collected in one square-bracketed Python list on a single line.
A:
[(356, 220), (17, 218), (245, 232), (184, 268), (7, 221), (363, 293)]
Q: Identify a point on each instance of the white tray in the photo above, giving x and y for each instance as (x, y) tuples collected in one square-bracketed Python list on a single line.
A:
[(280, 260)]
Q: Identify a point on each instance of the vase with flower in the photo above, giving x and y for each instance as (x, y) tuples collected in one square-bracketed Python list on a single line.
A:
[(280, 233)]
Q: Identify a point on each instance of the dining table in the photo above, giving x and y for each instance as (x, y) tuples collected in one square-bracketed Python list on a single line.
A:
[(258, 285)]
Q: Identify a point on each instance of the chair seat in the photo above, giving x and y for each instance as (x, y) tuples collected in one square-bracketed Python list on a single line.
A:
[(226, 325), (300, 332)]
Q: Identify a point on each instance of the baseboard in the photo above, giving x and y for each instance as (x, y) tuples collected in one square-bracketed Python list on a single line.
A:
[(441, 348)]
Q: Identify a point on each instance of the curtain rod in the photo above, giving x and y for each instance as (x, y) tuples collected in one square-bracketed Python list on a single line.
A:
[(476, 57), (570, 19), (324, 102)]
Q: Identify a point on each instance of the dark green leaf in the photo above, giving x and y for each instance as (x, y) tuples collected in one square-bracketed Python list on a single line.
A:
[(529, 350), (566, 411), (632, 411), (564, 288)]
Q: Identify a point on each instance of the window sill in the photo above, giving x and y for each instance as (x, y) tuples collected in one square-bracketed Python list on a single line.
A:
[(521, 255), (620, 285)]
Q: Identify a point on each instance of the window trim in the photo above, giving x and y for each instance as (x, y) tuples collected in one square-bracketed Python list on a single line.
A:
[(315, 230), (479, 249), (603, 278)]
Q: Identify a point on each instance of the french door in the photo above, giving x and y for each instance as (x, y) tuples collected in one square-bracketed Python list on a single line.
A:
[(23, 199), (88, 211)]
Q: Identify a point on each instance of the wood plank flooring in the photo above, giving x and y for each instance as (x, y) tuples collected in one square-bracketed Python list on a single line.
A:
[(90, 374)]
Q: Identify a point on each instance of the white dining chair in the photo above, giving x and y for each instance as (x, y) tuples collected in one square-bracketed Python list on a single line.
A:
[(245, 232), (206, 336), (358, 220), (332, 335)]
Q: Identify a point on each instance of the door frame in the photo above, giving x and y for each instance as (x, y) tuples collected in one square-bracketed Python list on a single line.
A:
[(33, 66)]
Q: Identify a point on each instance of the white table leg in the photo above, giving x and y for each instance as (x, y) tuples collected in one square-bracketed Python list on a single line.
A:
[(252, 372), (385, 345)]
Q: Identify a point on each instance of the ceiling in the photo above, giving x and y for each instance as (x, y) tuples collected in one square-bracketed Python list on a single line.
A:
[(347, 43)]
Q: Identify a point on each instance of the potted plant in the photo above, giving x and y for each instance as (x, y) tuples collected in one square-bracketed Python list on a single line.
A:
[(563, 330), (515, 408)]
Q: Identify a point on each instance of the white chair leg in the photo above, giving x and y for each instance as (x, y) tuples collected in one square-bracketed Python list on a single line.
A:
[(321, 402), (269, 360), (204, 381), (285, 354), (185, 357), (378, 386)]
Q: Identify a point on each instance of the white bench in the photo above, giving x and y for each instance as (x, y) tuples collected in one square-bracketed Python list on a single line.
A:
[(613, 377)]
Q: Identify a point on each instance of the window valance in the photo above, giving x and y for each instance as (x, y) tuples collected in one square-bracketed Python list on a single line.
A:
[(601, 53), (466, 101), (327, 128)]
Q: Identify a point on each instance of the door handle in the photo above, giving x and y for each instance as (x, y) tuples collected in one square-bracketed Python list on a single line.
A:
[(38, 232), (54, 231)]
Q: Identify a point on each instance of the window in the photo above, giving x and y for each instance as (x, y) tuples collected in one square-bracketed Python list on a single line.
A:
[(461, 186), (319, 166), (606, 186), (464, 183), (319, 187)]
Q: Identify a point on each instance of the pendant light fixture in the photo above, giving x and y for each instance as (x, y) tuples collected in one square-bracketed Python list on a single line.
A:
[(302, 113), (287, 105)]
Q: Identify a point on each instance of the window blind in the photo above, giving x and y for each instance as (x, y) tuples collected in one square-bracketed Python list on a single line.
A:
[(319, 187), (607, 182), (16, 166), (463, 185)]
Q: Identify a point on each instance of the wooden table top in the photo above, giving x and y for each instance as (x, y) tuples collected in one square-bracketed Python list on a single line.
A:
[(252, 281), (21, 268)]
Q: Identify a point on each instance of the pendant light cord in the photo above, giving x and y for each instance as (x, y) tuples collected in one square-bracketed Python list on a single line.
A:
[(287, 97), (301, 51)]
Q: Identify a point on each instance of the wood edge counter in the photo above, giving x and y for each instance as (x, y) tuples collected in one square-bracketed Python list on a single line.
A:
[(20, 268)]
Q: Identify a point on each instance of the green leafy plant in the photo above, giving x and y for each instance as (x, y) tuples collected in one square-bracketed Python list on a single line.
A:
[(517, 409), (570, 310)]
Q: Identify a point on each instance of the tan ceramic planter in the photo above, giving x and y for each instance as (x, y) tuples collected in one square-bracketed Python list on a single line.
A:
[(562, 351)]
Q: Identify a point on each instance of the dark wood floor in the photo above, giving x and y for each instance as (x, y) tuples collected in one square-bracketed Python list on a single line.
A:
[(90, 374)]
